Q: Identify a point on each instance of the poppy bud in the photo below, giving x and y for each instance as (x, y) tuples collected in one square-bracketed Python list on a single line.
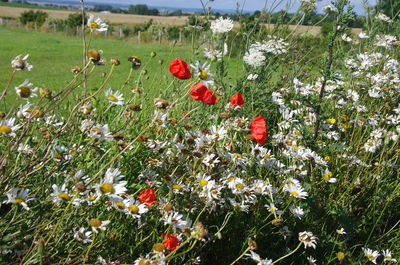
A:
[(180, 69), (153, 54)]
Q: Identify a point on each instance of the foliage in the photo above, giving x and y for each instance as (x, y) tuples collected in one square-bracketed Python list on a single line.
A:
[(142, 10), (37, 17)]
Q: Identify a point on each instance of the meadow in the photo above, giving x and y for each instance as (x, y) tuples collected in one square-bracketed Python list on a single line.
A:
[(254, 146)]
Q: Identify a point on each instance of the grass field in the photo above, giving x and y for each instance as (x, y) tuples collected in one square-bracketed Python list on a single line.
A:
[(55, 55)]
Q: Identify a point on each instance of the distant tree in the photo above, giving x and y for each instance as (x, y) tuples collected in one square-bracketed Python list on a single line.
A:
[(75, 20), (142, 10), (390, 8), (4, 1), (36, 17)]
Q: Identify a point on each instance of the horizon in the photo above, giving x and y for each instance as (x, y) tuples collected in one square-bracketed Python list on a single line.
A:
[(226, 5)]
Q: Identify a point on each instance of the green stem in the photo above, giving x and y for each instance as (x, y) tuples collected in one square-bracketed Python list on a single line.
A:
[(289, 254)]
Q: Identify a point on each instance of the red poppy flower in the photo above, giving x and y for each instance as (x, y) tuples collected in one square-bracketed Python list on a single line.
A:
[(180, 69), (171, 241), (259, 130), (209, 98), (237, 100), (197, 91), (148, 196)]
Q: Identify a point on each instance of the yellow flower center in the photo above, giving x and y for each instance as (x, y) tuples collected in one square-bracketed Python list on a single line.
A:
[(133, 209), (331, 121), (107, 188), (231, 178), (325, 177), (120, 205), (94, 25), (203, 182), (176, 187), (91, 198), (24, 91), (295, 193), (64, 196), (370, 256), (95, 222), (203, 74), (96, 130), (340, 256), (5, 129), (236, 155), (19, 200), (239, 186), (112, 98), (267, 156), (159, 121)]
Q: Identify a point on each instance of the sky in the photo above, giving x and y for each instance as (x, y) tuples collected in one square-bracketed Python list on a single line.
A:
[(248, 5)]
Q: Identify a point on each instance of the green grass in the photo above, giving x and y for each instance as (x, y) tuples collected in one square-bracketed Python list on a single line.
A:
[(53, 55)]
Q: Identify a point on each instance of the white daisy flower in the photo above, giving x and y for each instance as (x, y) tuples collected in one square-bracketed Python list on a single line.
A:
[(202, 71), (19, 196), (134, 208), (297, 211), (97, 224), (101, 132), (60, 194), (341, 231), (25, 90), (115, 98), (111, 185), (252, 77), (308, 239), (7, 127), (96, 24), (371, 254), (19, 63), (83, 236), (295, 190), (387, 254)]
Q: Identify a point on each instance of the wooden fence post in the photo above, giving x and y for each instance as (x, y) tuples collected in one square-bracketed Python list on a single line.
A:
[(138, 35)]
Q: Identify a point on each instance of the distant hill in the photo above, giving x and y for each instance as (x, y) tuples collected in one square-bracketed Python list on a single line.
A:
[(122, 5)]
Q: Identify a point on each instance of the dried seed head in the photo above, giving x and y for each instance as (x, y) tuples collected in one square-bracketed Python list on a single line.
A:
[(252, 244), (158, 247), (201, 231), (80, 187), (115, 61), (136, 62), (161, 103), (2, 114), (134, 107), (94, 55), (277, 222), (76, 70), (46, 93), (94, 222)]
